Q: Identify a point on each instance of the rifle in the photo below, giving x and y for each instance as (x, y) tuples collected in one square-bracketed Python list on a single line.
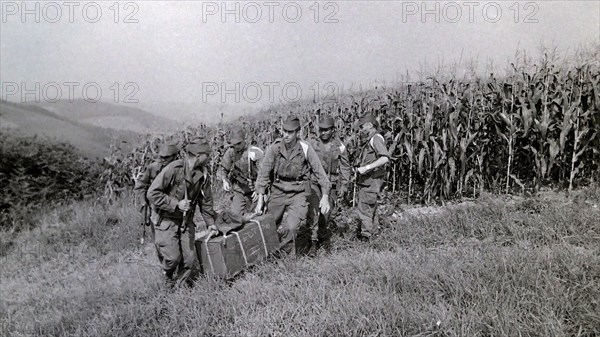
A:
[(144, 224), (236, 176), (354, 188), (185, 196)]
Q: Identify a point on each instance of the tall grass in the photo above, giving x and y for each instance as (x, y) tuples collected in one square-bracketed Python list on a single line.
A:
[(490, 268)]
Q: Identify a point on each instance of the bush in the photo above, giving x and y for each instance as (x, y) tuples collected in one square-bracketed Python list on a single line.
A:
[(37, 174)]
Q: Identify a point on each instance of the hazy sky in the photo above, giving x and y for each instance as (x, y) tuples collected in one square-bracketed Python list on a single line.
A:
[(180, 50)]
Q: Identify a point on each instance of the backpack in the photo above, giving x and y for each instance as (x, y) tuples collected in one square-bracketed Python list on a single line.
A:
[(362, 148)]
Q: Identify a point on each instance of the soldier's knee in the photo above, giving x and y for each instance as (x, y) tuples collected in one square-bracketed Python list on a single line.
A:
[(170, 264)]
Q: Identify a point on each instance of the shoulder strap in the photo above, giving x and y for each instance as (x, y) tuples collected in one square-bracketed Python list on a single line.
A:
[(342, 147), (251, 151), (373, 138), (256, 148), (304, 146), (196, 198)]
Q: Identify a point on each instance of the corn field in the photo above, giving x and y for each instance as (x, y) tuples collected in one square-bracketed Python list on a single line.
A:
[(537, 126)]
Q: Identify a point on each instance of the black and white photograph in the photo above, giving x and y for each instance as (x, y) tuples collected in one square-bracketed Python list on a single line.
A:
[(300, 168)]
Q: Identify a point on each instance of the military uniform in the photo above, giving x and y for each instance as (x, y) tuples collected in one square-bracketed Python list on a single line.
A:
[(174, 235), (166, 154), (334, 159), (370, 184), (290, 171), (241, 169)]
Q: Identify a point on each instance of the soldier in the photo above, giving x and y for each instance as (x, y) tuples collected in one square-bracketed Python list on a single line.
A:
[(289, 162), (334, 159), (174, 194), (238, 171), (371, 158), (166, 154)]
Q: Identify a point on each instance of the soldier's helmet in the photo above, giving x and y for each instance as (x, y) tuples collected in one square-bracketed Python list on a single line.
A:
[(367, 118), (326, 122), (198, 146), (238, 136), (292, 123), (168, 150)]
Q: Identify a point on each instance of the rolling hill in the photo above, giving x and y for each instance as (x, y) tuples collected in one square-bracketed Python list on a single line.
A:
[(113, 116), (27, 120)]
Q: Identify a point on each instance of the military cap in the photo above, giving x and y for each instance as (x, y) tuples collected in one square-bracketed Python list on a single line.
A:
[(198, 146), (292, 123), (366, 118), (168, 150), (238, 136), (326, 122)]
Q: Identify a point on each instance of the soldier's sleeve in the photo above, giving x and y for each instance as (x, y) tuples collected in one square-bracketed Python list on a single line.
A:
[(157, 193), (380, 148), (259, 156), (345, 170), (141, 185), (318, 171), (262, 180), (207, 210), (226, 164)]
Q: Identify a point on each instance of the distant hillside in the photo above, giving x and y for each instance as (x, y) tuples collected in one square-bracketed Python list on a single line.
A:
[(107, 115), (26, 120)]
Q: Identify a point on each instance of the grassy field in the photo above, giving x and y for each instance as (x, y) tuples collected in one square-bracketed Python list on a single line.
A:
[(491, 267)]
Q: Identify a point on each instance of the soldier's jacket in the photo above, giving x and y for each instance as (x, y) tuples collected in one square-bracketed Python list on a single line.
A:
[(241, 168), (291, 171), (334, 159), (369, 151), (168, 188), (142, 184)]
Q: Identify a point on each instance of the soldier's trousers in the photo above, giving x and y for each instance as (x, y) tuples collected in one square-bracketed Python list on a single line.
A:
[(317, 222), (153, 231), (296, 206), (178, 249), (368, 192), (242, 203)]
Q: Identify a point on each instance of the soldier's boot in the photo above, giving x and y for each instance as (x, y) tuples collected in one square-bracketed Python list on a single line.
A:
[(169, 282), (288, 248), (312, 251), (364, 238)]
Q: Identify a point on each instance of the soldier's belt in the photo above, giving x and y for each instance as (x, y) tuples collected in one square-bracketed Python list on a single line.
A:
[(176, 217), (289, 180)]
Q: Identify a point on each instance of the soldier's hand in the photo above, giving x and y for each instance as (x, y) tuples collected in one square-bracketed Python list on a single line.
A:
[(226, 185), (324, 204), (213, 229), (254, 196), (362, 170), (184, 205), (260, 204), (247, 218)]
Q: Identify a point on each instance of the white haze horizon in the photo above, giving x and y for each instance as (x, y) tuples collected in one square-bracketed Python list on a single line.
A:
[(224, 53)]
